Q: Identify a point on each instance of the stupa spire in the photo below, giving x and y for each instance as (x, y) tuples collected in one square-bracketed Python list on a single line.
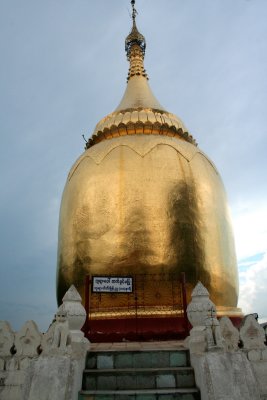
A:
[(139, 111), (135, 47), (138, 93)]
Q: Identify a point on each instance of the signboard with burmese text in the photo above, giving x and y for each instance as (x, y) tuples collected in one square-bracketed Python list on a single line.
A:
[(112, 284)]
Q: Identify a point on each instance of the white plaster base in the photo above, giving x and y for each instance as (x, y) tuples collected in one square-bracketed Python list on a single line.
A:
[(11, 386), (56, 377), (225, 376), (260, 371), (48, 378)]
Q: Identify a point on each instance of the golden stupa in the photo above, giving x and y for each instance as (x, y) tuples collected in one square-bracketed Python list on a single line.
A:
[(144, 199)]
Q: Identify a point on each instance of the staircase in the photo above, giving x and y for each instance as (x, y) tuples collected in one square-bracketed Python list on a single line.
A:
[(138, 375)]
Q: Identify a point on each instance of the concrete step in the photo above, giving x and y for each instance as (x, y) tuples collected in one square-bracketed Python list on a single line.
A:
[(138, 378), (159, 394), (137, 359), (162, 374)]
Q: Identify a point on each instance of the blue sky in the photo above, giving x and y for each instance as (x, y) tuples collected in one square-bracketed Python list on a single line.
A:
[(63, 68)]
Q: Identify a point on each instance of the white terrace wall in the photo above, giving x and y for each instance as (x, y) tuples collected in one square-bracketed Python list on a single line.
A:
[(36, 366), (229, 364)]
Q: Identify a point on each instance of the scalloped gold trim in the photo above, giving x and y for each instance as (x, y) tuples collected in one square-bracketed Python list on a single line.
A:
[(139, 121)]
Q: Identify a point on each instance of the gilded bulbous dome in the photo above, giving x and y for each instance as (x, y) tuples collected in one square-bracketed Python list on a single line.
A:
[(143, 198)]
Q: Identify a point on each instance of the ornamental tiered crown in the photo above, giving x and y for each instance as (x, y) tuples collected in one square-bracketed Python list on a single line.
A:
[(139, 112)]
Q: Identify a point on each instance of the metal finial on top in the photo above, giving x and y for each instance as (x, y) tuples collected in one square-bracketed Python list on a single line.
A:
[(134, 37), (134, 10)]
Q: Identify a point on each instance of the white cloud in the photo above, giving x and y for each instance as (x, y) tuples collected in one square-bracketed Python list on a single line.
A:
[(250, 226), (253, 288)]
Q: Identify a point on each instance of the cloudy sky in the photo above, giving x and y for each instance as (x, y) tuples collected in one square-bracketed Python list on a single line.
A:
[(63, 68)]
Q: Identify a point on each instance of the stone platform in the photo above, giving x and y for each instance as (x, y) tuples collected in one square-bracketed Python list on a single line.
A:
[(138, 346)]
